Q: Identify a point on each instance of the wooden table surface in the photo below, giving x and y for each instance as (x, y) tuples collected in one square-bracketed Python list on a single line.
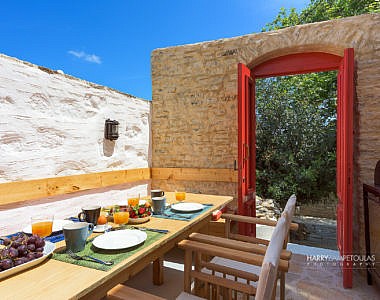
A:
[(55, 279)]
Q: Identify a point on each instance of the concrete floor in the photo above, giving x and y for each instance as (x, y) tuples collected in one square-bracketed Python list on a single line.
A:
[(304, 280)]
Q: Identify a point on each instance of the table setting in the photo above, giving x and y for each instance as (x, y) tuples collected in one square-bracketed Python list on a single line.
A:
[(98, 237), (112, 246), (91, 271), (179, 210), (117, 236)]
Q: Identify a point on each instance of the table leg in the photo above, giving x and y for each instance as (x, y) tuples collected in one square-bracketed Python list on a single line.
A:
[(158, 271)]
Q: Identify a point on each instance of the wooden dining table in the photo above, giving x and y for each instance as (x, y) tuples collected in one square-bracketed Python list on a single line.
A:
[(54, 279)]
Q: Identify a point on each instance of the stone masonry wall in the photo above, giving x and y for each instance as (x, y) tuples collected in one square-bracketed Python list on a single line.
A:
[(53, 125), (194, 113)]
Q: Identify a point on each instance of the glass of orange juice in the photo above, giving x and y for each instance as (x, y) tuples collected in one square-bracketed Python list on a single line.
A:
[(133, 200), (121, 216), (42, 225), (180, 196)]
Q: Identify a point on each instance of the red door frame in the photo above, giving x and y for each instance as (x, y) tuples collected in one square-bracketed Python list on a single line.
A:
[(345, 158), (246, 148), (301, 63)]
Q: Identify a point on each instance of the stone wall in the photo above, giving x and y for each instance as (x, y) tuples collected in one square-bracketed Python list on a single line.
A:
[(53, 125), (194, 87)]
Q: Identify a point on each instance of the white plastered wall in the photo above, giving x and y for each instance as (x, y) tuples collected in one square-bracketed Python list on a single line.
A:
[(52, 125)]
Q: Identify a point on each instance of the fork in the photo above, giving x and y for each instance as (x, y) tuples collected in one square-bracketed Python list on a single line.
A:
[(88, 258), (150, 229), (177, 215)]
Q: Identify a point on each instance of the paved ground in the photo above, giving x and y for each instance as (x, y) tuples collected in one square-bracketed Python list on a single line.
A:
[(305, 280)]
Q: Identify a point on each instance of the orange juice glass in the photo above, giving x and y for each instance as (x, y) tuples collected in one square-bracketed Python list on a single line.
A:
[(180, 196), (42, 225), (133, 200), (121, 217)]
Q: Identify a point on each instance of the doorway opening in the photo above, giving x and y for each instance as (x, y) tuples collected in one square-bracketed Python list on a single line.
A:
[(291, 64), (296, 152)]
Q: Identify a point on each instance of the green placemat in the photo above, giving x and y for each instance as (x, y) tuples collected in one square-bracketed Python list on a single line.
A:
[(115, 255), (170, 214)]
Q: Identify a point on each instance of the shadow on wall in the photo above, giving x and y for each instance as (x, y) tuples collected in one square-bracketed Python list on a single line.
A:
[(108, 147)]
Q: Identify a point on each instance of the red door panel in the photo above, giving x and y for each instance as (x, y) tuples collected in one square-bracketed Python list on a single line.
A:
[(246, 148), (345, 162)]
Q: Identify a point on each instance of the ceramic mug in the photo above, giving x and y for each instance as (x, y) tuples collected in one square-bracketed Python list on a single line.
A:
[(90, 214), (76, 235), (157, 193), (158, 205)]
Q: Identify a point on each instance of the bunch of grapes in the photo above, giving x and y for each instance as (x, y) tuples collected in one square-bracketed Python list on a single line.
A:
[(20, 249)]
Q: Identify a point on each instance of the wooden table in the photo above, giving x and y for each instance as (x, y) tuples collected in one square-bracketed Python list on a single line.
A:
[(54, 279)]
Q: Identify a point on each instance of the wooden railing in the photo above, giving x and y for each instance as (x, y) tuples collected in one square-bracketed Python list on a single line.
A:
[(17, 191)]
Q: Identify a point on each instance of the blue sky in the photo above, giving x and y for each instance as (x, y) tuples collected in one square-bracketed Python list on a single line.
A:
[(110, 42)]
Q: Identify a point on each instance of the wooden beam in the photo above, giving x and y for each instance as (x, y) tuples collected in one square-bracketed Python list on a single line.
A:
[(195, 174), (17, 191)]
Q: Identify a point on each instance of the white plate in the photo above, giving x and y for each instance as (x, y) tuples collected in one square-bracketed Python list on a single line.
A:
[(102, 228), (187, 207), (57, 226), (48, 249), (120, 239)]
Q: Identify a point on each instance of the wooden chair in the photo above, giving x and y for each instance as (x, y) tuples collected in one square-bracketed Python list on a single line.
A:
[(250, 244), (214, 281)]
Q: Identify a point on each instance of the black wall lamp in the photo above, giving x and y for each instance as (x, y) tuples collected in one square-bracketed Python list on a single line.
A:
[(111, 130)]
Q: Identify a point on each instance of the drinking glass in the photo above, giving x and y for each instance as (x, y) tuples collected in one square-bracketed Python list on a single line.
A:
[(42, 225), (133, 200), (180, 196), (121, 216)]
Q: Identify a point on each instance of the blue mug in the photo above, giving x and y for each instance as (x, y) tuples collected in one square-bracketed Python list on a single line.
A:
[(76, 235), (158, 205)]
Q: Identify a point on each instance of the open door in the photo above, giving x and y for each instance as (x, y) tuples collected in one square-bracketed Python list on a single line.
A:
[(301, 63), (344, 170), (246, 148)]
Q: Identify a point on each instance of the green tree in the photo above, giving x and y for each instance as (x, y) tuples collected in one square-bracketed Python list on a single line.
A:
[(296, 140), (296, 116), (323, 10)]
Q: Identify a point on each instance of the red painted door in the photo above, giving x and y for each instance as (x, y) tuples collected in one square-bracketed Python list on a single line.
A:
[(300, 63), (246, 148), (344, 168)]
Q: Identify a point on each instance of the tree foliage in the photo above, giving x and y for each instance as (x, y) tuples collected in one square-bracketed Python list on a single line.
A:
[(323, 10), (296, 116), (296, 139)]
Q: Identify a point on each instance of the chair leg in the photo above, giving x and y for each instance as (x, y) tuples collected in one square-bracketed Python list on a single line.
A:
[(186, 275), (274, 291), (282, 285), (197, 267)]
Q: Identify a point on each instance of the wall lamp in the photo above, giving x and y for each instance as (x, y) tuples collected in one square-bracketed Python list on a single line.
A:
[(111, 130)]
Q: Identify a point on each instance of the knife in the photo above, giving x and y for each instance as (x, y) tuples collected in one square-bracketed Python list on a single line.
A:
[(139, 228), (151, 229)]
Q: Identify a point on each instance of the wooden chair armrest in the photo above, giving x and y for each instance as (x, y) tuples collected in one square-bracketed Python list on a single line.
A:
[(294, 226), (248, 239), (254, 220), (233, 254), (250, 220), (233, 244)]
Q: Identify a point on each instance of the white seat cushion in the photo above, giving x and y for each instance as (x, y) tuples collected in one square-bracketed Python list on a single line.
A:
[(235, 265), (187, 296)]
